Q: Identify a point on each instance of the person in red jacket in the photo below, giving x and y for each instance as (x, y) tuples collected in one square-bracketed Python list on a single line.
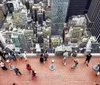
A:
[(28, 67)]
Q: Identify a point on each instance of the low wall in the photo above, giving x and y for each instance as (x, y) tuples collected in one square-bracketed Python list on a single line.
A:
[(53, 55)]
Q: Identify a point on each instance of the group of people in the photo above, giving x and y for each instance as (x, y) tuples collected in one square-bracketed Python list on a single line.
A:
[(76, 61), (28, 67), (43, 59)]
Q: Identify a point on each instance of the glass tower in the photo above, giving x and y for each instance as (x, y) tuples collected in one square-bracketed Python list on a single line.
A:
[(58, 14)]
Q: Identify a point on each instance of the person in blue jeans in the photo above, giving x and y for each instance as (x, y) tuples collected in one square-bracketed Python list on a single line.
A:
[(98, 72)]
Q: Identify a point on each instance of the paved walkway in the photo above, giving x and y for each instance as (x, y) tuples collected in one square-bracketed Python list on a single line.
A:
[(62, 75)]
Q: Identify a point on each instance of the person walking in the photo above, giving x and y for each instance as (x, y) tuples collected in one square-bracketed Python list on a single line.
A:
[(17, 71), (46, 56), (28, 67), (76, 62), (42, 59), (2, 66), (88, 58), (33, 74), (65, 55), (98, 72)]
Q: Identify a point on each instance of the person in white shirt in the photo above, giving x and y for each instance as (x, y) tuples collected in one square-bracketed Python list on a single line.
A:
[(2, 66), (65, 55), (25, 56)]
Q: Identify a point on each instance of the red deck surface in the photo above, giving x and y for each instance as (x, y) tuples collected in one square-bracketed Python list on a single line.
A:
[(62, 75)]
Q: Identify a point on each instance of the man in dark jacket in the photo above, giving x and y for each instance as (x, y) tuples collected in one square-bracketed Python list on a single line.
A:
[(17, 71), (88, 58)]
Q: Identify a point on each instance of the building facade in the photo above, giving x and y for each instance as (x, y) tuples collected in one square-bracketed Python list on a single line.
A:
[(93, 19), (58, 14), (92, 13), (78, 7)]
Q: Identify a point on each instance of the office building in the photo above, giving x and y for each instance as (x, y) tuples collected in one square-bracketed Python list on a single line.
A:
[(92, 13), (58, 14), (77, 7), (93, 19)]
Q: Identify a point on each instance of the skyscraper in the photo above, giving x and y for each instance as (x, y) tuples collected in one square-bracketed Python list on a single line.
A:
[(92, 13), (58, 15), (93, 19), (78, 7)]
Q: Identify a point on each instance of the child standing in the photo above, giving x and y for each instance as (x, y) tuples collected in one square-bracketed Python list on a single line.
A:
[(33, 74)]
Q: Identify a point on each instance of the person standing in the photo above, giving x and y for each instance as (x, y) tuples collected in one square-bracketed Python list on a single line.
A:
[(28, 67), (17, 71), (65, 55), (25, 56), (88, 58), (41, 59), (2, 66), (98, 72), (46, 56), (74, 55)]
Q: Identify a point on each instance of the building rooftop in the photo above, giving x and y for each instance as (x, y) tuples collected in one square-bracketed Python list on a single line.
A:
[(62, 75)]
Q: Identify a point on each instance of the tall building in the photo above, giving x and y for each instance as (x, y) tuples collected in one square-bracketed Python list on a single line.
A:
[(78, 7), (92, 13), (58, 15), (93, 19)]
